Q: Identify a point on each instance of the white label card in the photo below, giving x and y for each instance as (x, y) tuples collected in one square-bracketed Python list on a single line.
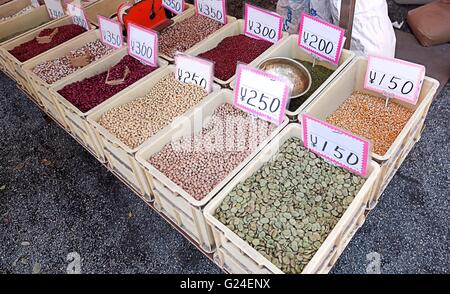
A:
[(143, 44), (78, 15), (111, 32), (263, 24), (194, 70), (394, 78), (54, 8), (175, 6), (214, 9)]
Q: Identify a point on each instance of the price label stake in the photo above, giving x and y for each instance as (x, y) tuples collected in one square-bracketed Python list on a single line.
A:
[(111, 32), (336, 145), (262, 94), (194, 70), (78, 16), (320, 38), (214, 9), (394, 78), (262, 24), (175, 6), (143, 44), (54, 8)]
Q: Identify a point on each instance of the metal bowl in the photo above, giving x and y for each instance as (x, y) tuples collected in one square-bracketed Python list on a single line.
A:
[(293, 70)]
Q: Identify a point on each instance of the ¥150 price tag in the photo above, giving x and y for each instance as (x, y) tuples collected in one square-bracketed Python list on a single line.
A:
[(194, 70), (336, 145), (143, 44), (176, 6), (54, 8), (78, 15), (111, 32), (214, 9), (394, 78), (262, 94), (320, 38), (262, 24)]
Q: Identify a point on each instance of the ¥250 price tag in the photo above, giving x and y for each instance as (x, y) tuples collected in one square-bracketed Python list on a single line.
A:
[(111, 32), (143, 44), (176, 6), (320, 38), (336, 145), (194, 70), (262, 94), (78, 15), (54, 8), (262, 24), (214, 9), (394, 78)]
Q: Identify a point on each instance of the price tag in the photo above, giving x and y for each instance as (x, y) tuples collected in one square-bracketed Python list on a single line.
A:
[(110, 31), (176, 6), (262, 24), (35, 3), (54, 8), (214, 9), (394, 78), (262, 94), (78, 15), (336, 145), (320, 38), (194, 70), (143, 44)]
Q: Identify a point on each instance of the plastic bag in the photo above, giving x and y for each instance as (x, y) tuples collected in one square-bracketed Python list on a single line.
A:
[(291, 10), (321, 9)]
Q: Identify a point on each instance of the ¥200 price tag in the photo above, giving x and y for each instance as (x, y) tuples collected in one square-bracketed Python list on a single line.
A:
[(111, 32), (394, 78), (54, 8), (336, 145), (320, 38), (143, 44), (78, 15), (176, 6), (194, 70), (262, 94), (214, 9), (262, 24)]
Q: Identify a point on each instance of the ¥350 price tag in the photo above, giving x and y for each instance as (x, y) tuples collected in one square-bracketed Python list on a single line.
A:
[(78, 15), (176, 6), (320, 38), (194, 70), (394, 78), (111, 32), (143, 44), (262, 94), (336, 145), (262, 24), (214, 9), (54, 8)]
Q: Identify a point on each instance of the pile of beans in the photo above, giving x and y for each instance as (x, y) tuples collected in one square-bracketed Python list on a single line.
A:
[(232, 50), (198, 163), (25, 10), (185, 34), (90, 92), (138, 120), (32, 48), (53, 70), (366, 116), (287, 208)]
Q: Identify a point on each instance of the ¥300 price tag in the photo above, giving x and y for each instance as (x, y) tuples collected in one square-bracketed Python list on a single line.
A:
[(143, 44), (262, 94), (262, 24), (214, 9), (78, 15), (336, 145), (111, 32), (176, 6), (194, 70), (320, 38), (394, 78), (54, 8)]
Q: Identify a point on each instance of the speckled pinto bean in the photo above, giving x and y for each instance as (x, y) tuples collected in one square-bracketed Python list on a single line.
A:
[(90, 92), (32, 48), (52, 71), (134, 122), (23, 11), (232, 50), (185, 34), (200, 169)]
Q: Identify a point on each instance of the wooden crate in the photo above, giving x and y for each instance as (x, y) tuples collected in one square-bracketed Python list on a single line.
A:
[(106, 8)]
